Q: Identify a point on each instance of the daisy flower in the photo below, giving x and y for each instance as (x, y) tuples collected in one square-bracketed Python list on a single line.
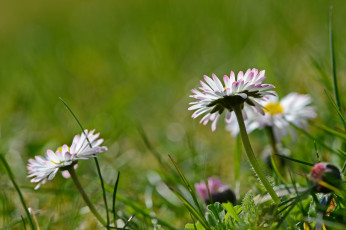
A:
[(45, 168), (294, 108), (214, 97)]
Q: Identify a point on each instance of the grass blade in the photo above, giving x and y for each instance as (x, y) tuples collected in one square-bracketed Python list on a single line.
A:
[(128, 221), (295, 160), (23, 221), (114, 198), (193, 194), (95, 159), (332, 56), (334, 132), (11, 176), (191, 209), (337, 109)]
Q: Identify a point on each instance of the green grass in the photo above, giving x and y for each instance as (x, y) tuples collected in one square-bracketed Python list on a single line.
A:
[(127, 64)]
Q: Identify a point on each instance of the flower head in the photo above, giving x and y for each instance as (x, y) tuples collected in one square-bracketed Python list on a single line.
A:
[(327, 173), (214, 97), (45, 168), (219, 192), (294, 108)]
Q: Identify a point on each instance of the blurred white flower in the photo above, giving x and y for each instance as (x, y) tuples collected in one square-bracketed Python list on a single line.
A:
[(215, 97), (294, 108), (45, 168)]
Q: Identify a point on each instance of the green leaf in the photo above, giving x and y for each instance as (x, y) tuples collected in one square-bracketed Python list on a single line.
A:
[(197, 226), (218, 211), (231, 212)]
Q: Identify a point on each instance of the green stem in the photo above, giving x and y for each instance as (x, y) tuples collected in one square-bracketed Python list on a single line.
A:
[(85, 196), (250, 154), (11, 176), (277, 166)]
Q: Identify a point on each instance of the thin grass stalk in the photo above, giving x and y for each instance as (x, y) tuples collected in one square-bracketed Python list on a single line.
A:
[(11, 176), (23, 221), (114, 199), (128, 221), (192, 192), (335, 79), (95, 160), (143, 211), (251, 156), (332, 57), (85, 196), (295, 160)]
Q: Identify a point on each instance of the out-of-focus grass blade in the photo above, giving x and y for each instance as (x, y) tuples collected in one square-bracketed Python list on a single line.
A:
[(337, 109), (193, 194), (11, 176), (193, 221), (276, 170), (95, 159), (324, 76), (157, 155), (332, 56), (23, 221), (128, 221), (316, 151), (191, 209), (334, 132), (12, 224), (295, 160), (314, 139), (114, 198)]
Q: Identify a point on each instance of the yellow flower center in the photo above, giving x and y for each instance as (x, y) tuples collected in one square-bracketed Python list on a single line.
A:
[(274, 108), (60, 149)]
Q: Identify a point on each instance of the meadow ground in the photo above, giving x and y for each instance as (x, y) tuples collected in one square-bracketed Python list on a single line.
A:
[(126, 69)]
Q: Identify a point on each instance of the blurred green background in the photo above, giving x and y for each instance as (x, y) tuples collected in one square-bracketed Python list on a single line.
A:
[(125, 64)]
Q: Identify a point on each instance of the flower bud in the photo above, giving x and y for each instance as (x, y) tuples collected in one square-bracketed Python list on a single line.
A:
[(219, 192), (325, 173)]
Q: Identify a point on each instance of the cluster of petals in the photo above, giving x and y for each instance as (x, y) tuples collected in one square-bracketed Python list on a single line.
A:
[(246, 85), (45, 168), (294, 108)]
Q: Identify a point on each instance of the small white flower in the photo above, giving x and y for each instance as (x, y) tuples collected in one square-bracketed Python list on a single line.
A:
[(213, 97), (43, 169), (294, 108)]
